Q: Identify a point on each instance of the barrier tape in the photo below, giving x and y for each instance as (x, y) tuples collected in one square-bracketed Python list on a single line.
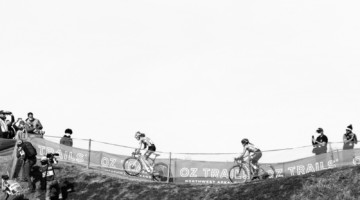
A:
[(271, 150)]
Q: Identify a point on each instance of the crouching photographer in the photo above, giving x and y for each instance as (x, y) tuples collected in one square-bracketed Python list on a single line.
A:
[(48, 180), (11, 188)]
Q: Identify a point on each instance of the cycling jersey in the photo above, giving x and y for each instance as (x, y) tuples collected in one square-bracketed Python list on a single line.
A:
[(146, 141), (251, 148)]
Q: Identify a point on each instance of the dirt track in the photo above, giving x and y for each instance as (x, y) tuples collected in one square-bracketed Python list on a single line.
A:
[(340, 183)]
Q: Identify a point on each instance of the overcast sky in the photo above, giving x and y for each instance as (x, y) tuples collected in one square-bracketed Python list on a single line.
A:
[(195, 76)]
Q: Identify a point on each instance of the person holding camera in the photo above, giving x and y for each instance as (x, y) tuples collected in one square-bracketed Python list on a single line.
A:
[(48, 180), (320, 144)]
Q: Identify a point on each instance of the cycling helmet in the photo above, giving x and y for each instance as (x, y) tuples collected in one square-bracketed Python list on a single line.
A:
[(244, 141), (137, 135)]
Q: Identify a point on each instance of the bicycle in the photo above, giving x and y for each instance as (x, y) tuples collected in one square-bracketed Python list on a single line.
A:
[(240, 172), (136, 164)]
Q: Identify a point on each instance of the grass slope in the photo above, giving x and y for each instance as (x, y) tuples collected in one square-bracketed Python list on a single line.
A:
[(339, 183)]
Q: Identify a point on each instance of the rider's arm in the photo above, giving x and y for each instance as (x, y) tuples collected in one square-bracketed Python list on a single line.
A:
[(243, 153)]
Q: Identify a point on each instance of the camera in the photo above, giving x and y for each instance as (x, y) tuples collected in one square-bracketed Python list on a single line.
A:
[(51, 159)]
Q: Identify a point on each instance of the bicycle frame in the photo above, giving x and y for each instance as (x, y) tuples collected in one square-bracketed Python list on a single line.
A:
[(243, 162), (141, 157)]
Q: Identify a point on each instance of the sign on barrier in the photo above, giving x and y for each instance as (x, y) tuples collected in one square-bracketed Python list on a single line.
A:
[(188, 171)]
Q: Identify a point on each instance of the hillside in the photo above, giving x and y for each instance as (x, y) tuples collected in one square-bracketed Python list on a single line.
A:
[(339, 183)]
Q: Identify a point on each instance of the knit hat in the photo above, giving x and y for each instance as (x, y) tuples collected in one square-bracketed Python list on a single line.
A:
[(319, 130), (349, 127), (69, 131)]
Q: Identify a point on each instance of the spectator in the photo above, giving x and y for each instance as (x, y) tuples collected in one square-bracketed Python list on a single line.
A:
[(20, 128), (5, 124), (66, 139), (349, 138), (320, 144), (27, 153), (35, 126), (11, 130)]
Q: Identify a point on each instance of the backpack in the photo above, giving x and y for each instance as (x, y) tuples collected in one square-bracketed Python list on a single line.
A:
[(29, 149)]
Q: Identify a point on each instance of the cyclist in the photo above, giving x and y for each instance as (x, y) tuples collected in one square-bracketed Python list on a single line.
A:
[(147, 142), (253, 152)]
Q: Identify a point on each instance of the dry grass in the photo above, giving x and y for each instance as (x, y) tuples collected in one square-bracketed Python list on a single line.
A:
[(340, 183)]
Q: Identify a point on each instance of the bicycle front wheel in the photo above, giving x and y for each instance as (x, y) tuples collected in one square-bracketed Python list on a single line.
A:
[(238, 174), (160, 172), (132, 166)]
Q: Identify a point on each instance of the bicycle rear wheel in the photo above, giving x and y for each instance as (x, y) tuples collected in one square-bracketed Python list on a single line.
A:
[(238, 174), (132, 166), (267, 171), (160, 172)]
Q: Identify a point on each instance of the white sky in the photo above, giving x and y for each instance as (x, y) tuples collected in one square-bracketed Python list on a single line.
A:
[(195, 76)]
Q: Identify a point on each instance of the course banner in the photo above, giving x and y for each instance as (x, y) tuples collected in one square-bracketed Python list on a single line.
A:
[(193, 171)]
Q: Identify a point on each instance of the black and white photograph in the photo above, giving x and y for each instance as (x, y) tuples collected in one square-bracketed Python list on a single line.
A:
[(179, 100)]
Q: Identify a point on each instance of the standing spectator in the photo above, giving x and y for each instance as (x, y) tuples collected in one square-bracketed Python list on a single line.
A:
[(21, 129), (35, 126), (9, 123), (320, 144), (5, 124), (66, 139), (28, 153), (349, 138)]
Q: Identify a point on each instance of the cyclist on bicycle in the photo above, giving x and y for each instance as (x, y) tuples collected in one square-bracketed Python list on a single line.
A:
[(253, 152), (147, 142)]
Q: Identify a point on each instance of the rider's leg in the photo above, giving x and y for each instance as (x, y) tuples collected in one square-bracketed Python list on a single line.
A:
[(256, 157)]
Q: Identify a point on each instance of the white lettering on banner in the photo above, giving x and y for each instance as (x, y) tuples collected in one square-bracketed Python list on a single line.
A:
[(49, 150), (108, 162), (300, 169), (279, 173), (206, 172), (184, 172), (112, 162), (42, 150), (317, 166), (224, 173), (292, 169), (214, 173), (331, 163), (193, 172), (79, 158), (322, 166), (310, 168), (104, 162)]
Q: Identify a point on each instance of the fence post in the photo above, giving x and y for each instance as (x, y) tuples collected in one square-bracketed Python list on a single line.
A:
[(169, 166), (88, 165)]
